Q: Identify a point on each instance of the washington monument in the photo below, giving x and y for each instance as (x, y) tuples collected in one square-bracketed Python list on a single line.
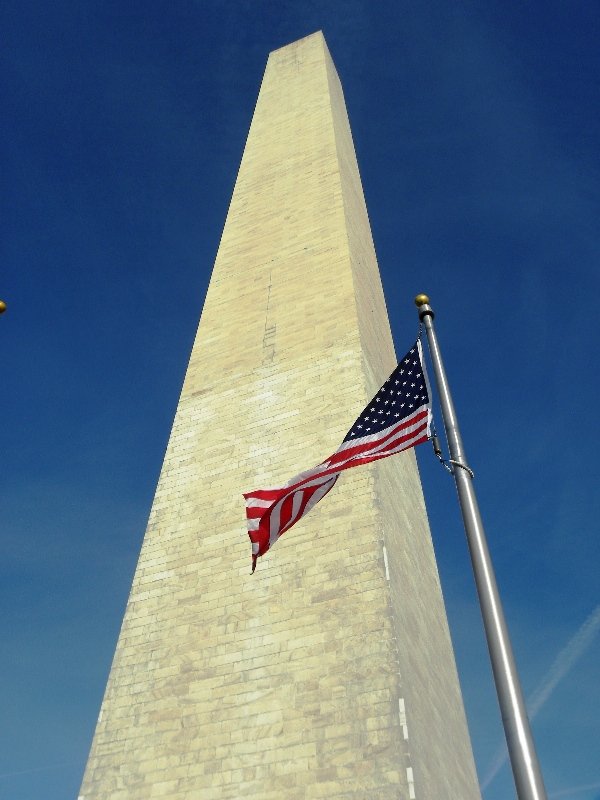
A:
[(329, 673)]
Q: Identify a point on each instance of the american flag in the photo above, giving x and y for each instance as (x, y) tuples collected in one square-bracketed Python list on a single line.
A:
[(397, 418)]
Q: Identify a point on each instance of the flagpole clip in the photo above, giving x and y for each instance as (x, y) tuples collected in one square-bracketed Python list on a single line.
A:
[(437, 449), (462, 466)]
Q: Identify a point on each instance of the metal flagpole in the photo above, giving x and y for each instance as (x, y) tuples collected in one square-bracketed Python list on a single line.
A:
[(521, 749)]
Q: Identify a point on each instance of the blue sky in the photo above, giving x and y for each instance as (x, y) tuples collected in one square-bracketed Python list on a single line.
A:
[(477, 128)]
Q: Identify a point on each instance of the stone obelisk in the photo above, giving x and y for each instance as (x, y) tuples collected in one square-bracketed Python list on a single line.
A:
[(329, 673)]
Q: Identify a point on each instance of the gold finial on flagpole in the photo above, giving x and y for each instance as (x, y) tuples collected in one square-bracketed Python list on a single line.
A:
[(2, 306), (421, 300)]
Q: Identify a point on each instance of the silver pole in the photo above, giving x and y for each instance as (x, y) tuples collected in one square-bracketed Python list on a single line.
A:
[(521, 749)]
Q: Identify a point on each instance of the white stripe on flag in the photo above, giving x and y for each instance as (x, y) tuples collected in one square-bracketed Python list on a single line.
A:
[(296, 506), (257, 502), (320, 493), (274, 521)]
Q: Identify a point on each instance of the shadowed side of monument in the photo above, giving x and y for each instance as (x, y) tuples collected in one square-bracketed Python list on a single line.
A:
[(295, 682)]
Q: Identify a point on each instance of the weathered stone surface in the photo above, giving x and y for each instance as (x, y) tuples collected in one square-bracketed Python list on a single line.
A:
[(319, 676)]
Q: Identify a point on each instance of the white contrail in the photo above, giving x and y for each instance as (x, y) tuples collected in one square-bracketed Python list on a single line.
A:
[(567, 657), (563, 662), (574, 790)]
